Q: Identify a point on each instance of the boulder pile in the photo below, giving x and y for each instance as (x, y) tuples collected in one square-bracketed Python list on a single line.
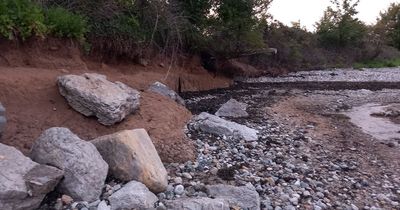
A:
[(117, 171)]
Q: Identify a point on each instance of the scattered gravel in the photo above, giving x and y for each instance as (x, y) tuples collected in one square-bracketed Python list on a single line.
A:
[(335, 75)]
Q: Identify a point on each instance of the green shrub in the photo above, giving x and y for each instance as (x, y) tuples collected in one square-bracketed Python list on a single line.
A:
[(378, 64), (21, 19), (65, 24)]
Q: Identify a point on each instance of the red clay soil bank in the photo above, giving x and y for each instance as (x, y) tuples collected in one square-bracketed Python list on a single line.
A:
[(33, 104), (28, 90)]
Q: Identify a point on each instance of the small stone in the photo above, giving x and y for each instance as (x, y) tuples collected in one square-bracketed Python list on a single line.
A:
[(161, 206), (306, 193), (161, 196), (187, 175), (66, 199), (354, 207), (58, 205), (116, 187), (214, 171), (179, 189), (178, 180), (320, 195), (381, 197), (294, 200), (94, 203), (289, 207), (103, 206)]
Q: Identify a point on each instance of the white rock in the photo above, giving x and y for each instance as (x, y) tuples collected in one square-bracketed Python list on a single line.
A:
[(197, 204), (93, 95), (246, 197), (164, 90), (103, 206), (85, 170), (179, 189), (232, 108), (213, 124), (24, 183), (134, 195)]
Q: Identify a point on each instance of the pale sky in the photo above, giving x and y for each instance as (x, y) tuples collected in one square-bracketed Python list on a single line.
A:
[(310, 11)]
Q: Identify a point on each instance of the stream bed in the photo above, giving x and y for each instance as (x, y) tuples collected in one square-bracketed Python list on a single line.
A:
[(380, 127)]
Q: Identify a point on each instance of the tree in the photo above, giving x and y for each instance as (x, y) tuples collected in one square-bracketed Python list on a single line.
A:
[(237, 27), (388, 25), (339, 27)]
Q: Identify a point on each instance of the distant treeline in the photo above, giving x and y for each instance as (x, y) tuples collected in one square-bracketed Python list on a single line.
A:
[(218, 29)]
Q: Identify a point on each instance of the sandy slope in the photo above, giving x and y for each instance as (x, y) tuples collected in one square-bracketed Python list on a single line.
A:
[(28, 91)]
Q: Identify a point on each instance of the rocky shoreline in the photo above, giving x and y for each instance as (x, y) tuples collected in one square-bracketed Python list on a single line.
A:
[(256, 148)]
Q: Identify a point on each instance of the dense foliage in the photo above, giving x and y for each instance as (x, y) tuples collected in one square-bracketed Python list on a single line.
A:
[(219, 29), (22, 19), (63, 23), (388, 26), (339, 27)]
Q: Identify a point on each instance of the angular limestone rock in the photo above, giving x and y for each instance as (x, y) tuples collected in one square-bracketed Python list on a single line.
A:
[(213, 124), (164, 90), (93, 95), (232, 108), (131, 155), (85, 170), (24, 183), (245, 197), (133, 195)]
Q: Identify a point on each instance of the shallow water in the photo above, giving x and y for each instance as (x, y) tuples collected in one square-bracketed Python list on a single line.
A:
[(378, 127)]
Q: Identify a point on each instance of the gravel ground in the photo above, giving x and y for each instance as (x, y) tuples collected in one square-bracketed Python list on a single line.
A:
[(308, 156), (335, 75)]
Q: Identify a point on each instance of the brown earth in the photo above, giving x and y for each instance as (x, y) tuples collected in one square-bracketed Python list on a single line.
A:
[(30, 95)]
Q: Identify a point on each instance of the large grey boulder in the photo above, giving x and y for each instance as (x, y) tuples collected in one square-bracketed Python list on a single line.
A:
[(245, 197), (232, 108), (24, 183), (213, 124), (93, 95), (134, 195), (164, 90), (3, 119), (85, 170), (131, 155), (197, 204)]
